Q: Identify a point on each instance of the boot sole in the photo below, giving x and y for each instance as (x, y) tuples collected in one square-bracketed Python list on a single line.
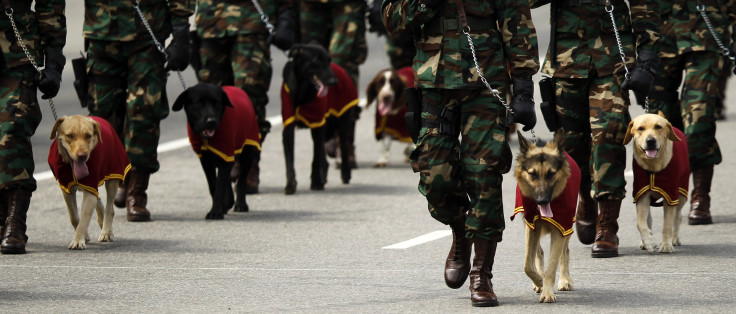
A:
[(603, 254), (486, 304), (13, 251), (693, 222)]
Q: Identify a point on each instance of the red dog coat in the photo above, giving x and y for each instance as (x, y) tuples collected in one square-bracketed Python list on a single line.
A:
[(108, 160), (339, 99), (395, 124), (563, 207), (672, 181), (238, 128)]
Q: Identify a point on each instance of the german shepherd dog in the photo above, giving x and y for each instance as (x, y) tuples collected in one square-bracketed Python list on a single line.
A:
[(310, 78), (661, 170), (223, 129), (548, 180)]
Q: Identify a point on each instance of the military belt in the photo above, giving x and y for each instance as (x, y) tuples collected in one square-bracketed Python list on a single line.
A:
[(444, 25), (446, 124), (580, 3)]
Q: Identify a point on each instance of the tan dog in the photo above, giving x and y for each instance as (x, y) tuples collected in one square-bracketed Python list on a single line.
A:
[(81, 160), (548, 180), (661, 170)]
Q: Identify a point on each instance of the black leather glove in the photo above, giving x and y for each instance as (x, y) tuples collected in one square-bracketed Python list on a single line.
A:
[(641, 78), (287, 28), (178, 49), (375, 23), (433, 4), (523, 104), (50, 81), (733, 50)]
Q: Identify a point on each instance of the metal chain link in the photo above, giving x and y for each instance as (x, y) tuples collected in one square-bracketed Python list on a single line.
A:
[(264, 16), (494, 91), (609, 9), (158, 44), (9, 13), (725, 51)]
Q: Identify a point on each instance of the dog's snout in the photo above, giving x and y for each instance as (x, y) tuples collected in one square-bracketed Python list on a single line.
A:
[(210, 123), (651, 143), (82, 156), (542, 201)]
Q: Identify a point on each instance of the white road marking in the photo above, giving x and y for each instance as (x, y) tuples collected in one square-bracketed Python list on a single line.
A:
[(420, 240), (162, 148)]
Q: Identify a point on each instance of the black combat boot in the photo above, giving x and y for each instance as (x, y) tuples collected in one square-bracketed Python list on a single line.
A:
[(14, 238)]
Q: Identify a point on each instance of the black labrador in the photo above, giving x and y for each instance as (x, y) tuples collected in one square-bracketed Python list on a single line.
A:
[(307, 75), (205, 106)]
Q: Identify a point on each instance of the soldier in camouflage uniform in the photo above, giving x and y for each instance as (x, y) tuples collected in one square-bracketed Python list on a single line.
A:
[(462, 149), (688, 45), (43, 31), (234, 50), (400, 49), (127, 80), (592, 100)]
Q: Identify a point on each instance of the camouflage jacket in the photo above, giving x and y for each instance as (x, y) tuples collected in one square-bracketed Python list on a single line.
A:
[(117, 20), (586, 41), (41, 28), (686, 30), (217, 18), (505, 45)]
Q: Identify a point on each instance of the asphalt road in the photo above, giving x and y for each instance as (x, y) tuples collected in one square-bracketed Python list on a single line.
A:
[(327, 251)]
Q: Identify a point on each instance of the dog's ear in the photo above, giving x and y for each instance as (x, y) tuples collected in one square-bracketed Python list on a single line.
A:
[(181, 100), (523, 143), (371, 92), (224, 99), (661, 114), (559, 139), (98, 130), (629, 136), (56, 126), (671, 133)]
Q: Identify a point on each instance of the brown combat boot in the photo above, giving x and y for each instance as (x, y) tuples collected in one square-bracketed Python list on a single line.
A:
[(135, 202), (481, 288), (14, 238), (585, 217), (457, 265), (700, 197), (606, 240), (3, 210)]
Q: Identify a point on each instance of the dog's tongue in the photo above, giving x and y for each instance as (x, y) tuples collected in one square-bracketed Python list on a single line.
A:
[(321, 89), (384, 108), (651, 153), (209, 133), (545, 210), (80, 169)]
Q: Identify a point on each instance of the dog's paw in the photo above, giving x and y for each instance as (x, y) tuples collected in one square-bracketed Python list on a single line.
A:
[(547, 297), (379, 165), (666, 248), (290, 188), (105, 237), (564, 285), (646, 246), (676, 242), (317, 186), (214, 216), (77, 245), (537, 289), (241, 208)]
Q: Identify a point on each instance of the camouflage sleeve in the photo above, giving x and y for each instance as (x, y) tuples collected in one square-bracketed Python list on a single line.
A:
[(731, 7), (181, 10), (519, 37), (51, 23), (400, 16), (646, 21)]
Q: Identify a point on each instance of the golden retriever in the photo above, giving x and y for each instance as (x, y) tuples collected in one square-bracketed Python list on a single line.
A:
[(661, 170), (85, 154)]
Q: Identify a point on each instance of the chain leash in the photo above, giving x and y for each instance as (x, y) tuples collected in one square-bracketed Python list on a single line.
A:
[(494, 91), (609, 9), (725, 51), (264, 16), (9, 13), (158, 44)]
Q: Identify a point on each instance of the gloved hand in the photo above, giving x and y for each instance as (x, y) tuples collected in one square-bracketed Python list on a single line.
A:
[(178, 49), (375, 24), (433, 4), (50, 81), (523, 104), (285, 34), (641, 78)]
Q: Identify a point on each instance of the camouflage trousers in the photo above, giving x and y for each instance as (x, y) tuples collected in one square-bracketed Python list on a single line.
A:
[(594, 112), (19, 118), (243, 61), (460, 171), (339, 27), (695, 107), (127, 87)]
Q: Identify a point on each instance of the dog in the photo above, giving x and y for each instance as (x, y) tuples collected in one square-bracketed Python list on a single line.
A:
[(86, 153), (547, 193), (387, 90), (661, 170), (319, 95), (223, 128)]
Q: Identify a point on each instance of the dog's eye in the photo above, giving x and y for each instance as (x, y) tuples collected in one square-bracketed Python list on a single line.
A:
[(70, 136), (533, 175), (657, 127), (88, 136), (641, 128), (550, 174)]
